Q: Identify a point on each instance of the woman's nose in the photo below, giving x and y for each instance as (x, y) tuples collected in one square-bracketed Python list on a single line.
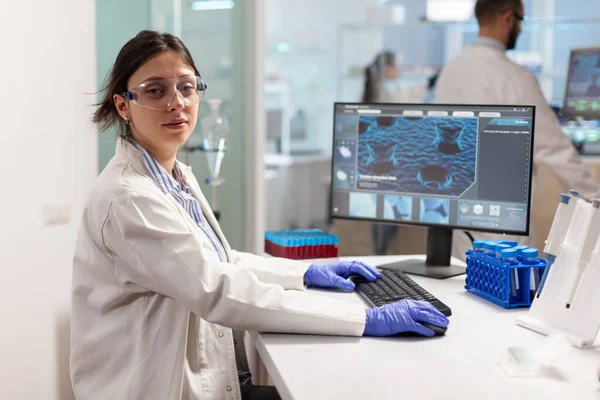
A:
[(177, 101)]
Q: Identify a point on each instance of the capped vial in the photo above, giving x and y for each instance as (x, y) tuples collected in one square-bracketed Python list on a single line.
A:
[(478, 245), (530, 256), (499, 248), (509, 255), (520, 251)]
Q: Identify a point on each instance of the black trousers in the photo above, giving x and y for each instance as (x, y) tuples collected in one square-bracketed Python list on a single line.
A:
[(253, 392)]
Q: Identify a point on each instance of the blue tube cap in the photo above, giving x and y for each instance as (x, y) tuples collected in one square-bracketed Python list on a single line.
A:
[(530, 253), (489, 245), (509, 253), (520, 249), (502, 247), (574, 192), (564, 198), (478, 244)]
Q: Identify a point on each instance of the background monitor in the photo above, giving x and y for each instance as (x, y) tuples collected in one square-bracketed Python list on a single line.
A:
[(441, 166), (582, 95)]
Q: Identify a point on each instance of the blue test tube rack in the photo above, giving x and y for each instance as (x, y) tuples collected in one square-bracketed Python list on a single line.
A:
[(490, 278), (301, 244)]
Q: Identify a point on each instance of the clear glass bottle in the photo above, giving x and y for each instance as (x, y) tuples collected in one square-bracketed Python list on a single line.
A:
[(214, 130)]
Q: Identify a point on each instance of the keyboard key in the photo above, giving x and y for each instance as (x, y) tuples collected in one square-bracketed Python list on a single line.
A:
[(394, 286)]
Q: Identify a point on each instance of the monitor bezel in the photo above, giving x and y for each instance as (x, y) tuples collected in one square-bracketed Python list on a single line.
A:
[(430, 225), (575, 114)]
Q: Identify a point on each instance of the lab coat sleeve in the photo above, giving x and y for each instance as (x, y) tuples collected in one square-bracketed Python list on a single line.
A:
[(552, 147), (287, 273), (152, 248)]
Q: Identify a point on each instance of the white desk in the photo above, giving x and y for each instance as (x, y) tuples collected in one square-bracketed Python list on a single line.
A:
[(460, 365)]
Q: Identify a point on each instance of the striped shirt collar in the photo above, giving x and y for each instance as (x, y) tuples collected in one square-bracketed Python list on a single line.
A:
[(176, 186), (166, 182)]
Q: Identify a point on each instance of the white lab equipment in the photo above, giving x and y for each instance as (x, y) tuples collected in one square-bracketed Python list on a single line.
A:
[(568, 299), (213, 143)]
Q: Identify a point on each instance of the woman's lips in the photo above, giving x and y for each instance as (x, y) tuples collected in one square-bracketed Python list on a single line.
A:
[(175, 125)]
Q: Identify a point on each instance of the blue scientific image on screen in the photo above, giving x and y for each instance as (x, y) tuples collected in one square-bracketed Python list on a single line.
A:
[(343, 177), (435, 211), (397, 208), (345, 152), (417, 155), (363, 205), (585, 76), (345, 126)]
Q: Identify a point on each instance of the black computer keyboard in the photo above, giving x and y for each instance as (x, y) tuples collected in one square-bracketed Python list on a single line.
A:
[(394, 286)]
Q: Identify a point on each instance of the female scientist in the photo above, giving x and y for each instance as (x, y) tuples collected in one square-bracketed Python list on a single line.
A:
[(156, 287)]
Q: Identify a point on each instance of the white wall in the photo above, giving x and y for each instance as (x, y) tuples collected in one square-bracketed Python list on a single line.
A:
[(47, 156)]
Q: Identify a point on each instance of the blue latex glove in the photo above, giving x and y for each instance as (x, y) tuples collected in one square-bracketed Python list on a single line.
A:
[(334, 275), (403, 316)]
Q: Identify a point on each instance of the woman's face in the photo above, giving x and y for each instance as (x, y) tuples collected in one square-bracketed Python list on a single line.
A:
[(390, 72), (160, 132)]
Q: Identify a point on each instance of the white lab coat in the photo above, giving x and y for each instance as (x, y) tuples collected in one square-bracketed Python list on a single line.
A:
[(485, 75), (152, 306)]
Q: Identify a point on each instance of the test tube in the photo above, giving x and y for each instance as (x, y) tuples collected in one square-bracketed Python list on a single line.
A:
[(510, 255), (489, 248), (520, 251), (501, 247), (478, 246), (530, 257)]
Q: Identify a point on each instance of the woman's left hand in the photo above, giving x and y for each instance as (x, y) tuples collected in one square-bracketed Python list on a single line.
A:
[(334, 275)]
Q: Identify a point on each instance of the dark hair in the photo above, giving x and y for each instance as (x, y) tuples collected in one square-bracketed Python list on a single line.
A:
[(432, 81), (132, 56), (374, 75), (485, 10)]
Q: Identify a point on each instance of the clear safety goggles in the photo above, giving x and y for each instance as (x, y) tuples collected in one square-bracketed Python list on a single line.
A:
[(159, 94)]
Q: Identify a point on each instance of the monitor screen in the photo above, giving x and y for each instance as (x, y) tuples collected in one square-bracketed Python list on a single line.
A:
[(453, 166), (582, 97)]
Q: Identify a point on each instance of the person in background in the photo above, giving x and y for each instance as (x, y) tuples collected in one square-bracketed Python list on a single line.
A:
[(483, 74), (382, 85), (156, 288)]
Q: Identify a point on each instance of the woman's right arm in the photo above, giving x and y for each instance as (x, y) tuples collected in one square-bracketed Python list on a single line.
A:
[(152, 247)]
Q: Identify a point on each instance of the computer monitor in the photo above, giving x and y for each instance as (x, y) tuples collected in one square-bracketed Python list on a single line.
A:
[(441, 166), (582, 94)]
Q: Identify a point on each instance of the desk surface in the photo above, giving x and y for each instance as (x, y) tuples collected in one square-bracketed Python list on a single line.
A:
[(463, 364)]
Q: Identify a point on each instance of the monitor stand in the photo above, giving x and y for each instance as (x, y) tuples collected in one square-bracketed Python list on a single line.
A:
[(439, 252)]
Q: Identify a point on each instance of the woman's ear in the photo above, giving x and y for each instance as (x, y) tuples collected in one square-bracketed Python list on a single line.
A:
[(122, 106)]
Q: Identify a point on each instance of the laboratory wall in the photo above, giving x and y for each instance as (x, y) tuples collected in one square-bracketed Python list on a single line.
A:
[(117, 21), (48, 161)]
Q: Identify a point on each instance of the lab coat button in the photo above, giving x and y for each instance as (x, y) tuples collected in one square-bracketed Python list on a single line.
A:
[(228, 388), (220, 334)]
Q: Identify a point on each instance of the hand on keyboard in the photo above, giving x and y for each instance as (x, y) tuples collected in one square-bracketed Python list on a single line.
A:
[(333, 275), (403, 316)]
